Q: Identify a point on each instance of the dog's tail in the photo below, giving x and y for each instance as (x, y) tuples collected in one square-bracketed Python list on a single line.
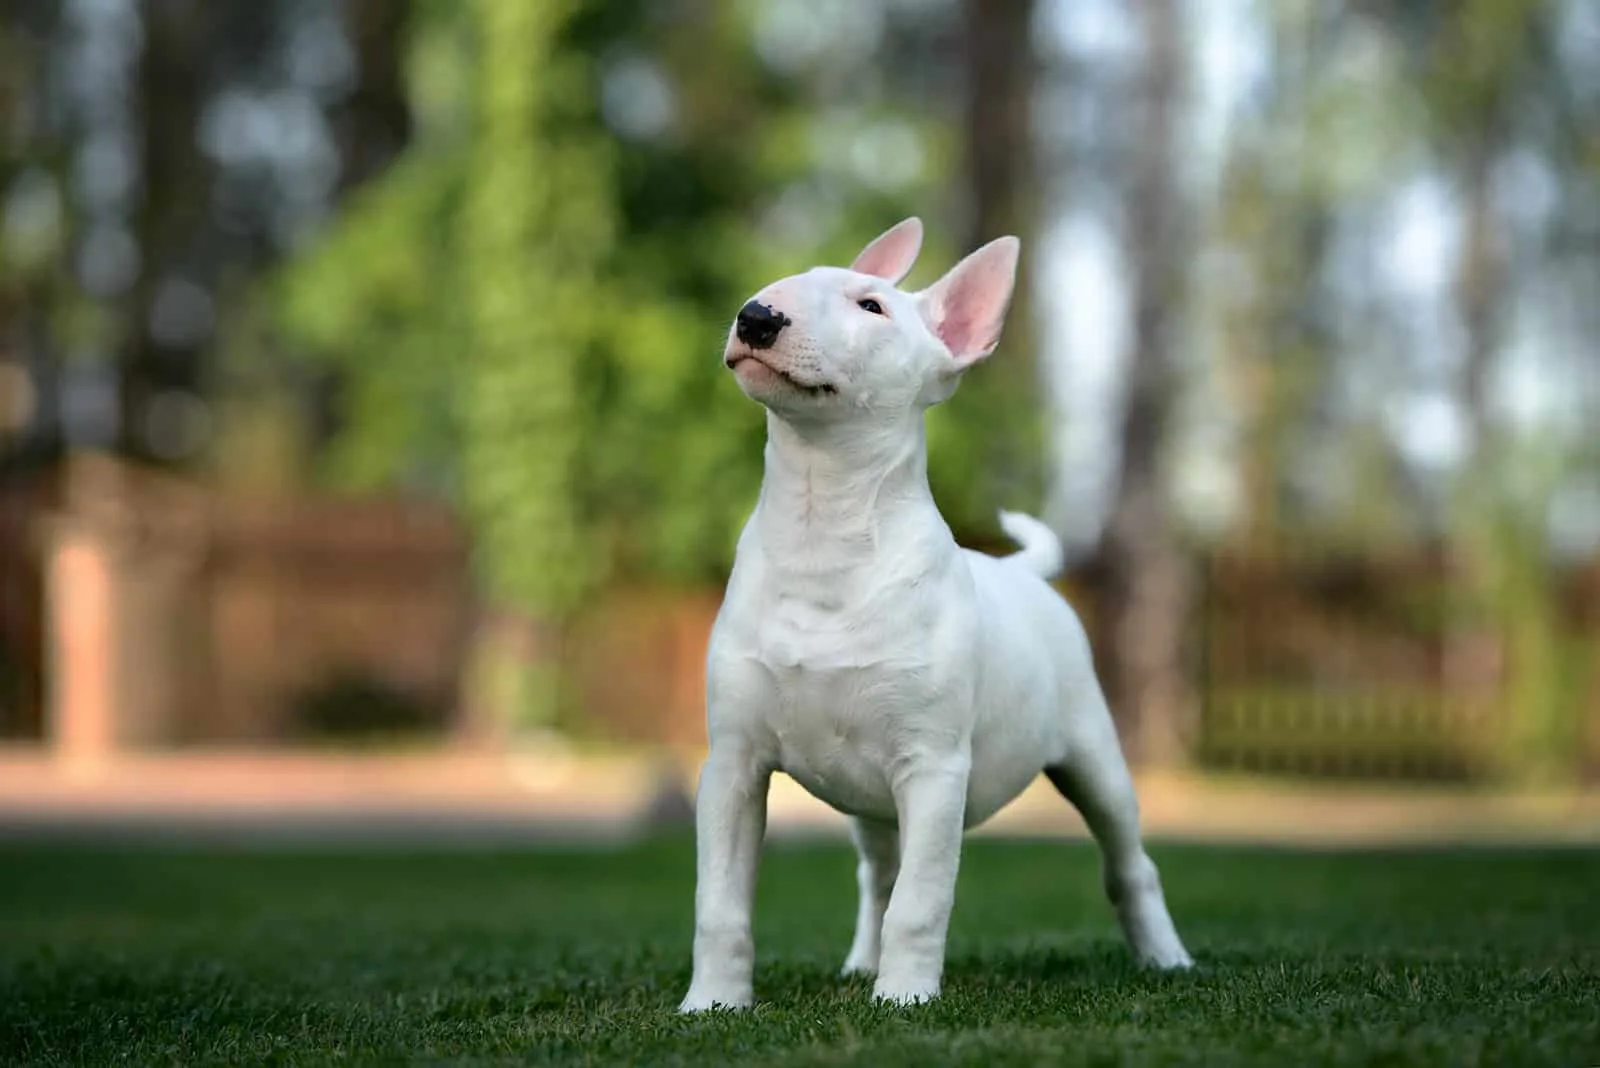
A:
[(1041, 549)]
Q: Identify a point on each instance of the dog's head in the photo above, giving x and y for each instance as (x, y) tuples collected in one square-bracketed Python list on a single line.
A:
[(836, 343)]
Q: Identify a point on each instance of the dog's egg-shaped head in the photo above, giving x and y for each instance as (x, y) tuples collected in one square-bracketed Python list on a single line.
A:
[(835, 342)]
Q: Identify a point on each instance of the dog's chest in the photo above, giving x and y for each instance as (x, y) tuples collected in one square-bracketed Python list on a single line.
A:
[(853, 686)]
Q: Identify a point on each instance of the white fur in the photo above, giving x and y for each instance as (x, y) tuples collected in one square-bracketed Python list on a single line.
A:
[(914, 685)]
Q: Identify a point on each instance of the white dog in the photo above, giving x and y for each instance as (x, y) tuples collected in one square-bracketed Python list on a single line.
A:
[(911, 684)]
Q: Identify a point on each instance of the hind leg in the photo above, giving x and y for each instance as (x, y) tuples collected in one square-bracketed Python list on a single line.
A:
[(1097, 782), (878, 846)]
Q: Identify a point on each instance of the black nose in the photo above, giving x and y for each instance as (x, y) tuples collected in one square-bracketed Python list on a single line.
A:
[(758, 325)]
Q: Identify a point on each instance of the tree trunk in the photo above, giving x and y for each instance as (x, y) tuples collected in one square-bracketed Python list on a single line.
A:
[(1479, 294), (1148, 578), (174, 179), (374, 123), (1000, 72), (1000, 177)]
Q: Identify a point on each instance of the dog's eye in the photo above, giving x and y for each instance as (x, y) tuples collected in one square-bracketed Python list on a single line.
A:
[(870, 305)]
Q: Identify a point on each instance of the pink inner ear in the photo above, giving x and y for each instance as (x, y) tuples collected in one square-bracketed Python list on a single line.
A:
[(969, 333), (891, 255), (968, 305)]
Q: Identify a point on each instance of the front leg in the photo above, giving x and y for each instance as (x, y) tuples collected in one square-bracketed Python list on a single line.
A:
[(932, 804), (730, 820)]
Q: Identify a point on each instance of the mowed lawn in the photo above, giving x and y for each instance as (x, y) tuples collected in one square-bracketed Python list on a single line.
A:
[(569, 955)]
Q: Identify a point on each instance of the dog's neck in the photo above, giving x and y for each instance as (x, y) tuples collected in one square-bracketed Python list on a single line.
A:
[(835, 495)]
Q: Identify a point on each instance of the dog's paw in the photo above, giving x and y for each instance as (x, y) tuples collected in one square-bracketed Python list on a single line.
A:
[(857, 964), (1171, 958), (893, 993), (705, 1001), (1153, 938)]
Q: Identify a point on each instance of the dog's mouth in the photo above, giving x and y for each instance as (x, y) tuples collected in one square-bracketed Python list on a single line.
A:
[(810, 389)]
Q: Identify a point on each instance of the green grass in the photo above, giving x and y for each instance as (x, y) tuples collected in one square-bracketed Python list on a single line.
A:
[(575, 956)]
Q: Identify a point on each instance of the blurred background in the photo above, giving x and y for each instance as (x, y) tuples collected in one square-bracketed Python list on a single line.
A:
[(360, 380)]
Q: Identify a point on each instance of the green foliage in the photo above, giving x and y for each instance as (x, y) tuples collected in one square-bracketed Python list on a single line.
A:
[(535, 226), (529, 308), (1481, 54), (377, 302), (577, 956)]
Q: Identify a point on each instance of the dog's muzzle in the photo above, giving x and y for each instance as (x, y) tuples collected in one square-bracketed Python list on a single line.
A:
[(759, 326)]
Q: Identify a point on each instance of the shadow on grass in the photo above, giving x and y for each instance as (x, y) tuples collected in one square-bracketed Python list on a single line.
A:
[(1107, 967)]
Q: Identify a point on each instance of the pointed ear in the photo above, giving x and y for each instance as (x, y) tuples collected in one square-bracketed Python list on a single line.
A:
[(967, 307), (891, 253)]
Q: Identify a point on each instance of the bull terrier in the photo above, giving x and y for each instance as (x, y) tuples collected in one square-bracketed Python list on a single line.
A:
[(913, 685)]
